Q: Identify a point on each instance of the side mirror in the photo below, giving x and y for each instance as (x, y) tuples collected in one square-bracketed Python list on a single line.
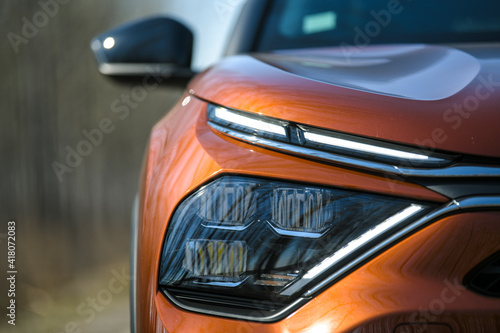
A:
[(159, 46)]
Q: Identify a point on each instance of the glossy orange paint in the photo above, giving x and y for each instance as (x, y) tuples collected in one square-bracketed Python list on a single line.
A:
[(170, 174), (248, 84)]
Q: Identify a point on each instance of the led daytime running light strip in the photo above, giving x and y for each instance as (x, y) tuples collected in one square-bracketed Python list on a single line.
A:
[(363, 239), (244, 121), (351, 145), (318, 143), (352, 246)]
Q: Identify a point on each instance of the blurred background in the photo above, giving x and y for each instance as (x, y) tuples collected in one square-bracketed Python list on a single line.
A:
[(72, 230)]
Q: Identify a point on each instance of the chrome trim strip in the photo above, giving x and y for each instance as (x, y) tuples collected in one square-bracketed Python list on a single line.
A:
[(453, 171), (447, 172), (452, 207), (144, 69), (266, 143)]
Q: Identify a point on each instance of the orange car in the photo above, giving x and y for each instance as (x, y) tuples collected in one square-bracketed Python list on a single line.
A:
[(333, 180)]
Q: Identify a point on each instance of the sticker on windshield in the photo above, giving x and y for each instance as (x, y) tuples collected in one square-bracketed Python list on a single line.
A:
[(319, 22)]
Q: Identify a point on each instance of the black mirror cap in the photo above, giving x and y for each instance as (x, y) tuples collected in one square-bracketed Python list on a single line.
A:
[(157, 46)]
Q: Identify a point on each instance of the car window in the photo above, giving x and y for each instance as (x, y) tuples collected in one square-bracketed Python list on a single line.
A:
[(314, 23)]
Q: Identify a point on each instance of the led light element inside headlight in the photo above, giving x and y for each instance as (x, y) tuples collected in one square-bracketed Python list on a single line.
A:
[(213, 258), (240, 241)]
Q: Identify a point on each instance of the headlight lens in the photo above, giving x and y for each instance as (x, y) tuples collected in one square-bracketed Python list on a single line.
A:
[(267, 242)]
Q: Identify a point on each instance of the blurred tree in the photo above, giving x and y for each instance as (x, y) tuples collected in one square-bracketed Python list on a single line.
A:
[(51, 93)]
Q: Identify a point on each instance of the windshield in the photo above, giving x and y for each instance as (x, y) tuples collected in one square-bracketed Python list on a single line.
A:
[(315, 23)]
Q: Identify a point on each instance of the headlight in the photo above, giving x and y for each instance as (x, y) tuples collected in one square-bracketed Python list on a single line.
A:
[(245, 243)]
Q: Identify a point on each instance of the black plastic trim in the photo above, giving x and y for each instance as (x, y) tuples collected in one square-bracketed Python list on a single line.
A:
[(473, 279)]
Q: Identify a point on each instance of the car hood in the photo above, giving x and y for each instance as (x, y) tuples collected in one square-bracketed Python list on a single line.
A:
[(437, 97)]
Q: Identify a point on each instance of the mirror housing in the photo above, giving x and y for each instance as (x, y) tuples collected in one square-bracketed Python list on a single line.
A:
[(157, 46)]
